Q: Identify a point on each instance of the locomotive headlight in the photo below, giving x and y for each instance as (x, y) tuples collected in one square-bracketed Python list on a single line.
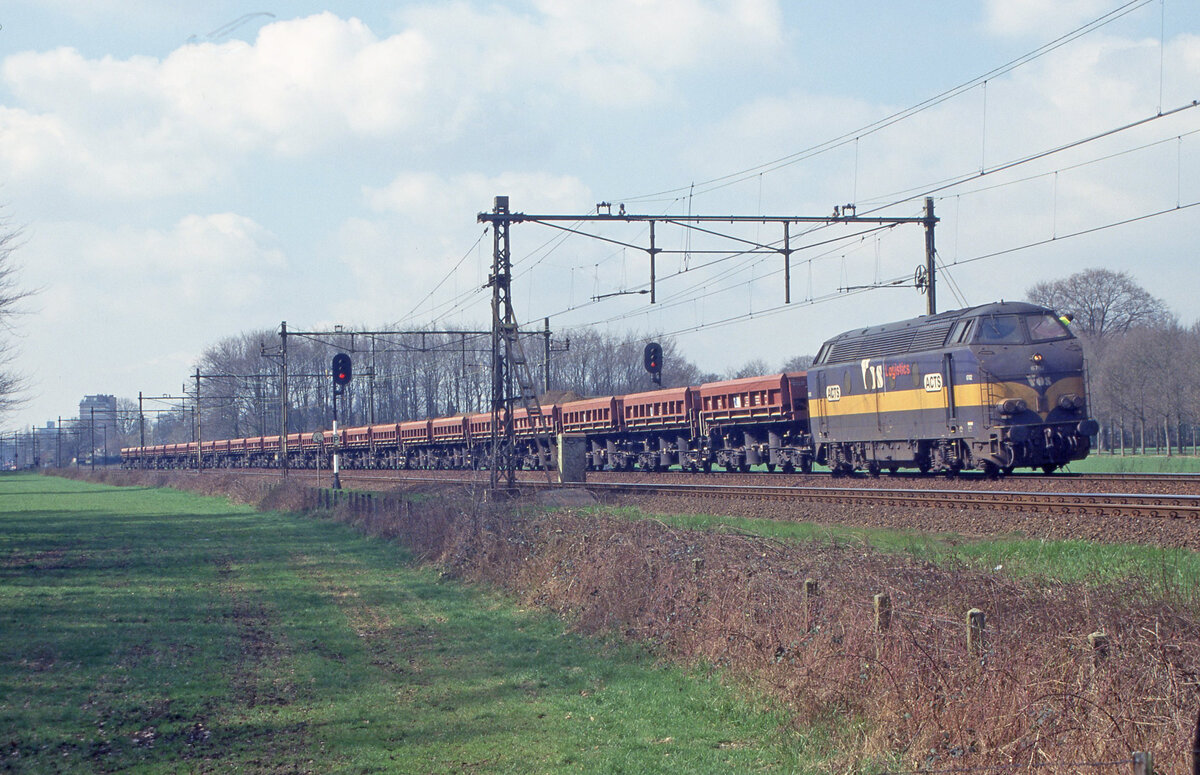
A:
[(1070, 401), (1036, 358), (1012, 406)]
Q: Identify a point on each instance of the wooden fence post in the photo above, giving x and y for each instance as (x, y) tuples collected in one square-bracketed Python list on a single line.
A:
[(976, 624), (1196, 750), (810, 591), (1143, 763), (883, 612), (1099, 643)]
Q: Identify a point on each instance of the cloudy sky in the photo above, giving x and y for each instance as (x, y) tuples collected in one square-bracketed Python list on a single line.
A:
[(184, 172)]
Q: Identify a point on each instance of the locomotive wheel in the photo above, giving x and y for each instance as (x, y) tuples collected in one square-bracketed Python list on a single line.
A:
[(1007, 470), (991, 470), (743, 468), (873, 470), (706, 466), (770, 468), (1049, 469), (806, 466), (787, 468)]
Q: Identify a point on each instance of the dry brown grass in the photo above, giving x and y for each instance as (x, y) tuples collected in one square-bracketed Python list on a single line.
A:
[(1039, 693)]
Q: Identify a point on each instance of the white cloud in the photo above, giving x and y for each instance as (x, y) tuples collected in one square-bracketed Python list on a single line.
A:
[(1037, 17), (147, 126), (216, 264), (424, 228)]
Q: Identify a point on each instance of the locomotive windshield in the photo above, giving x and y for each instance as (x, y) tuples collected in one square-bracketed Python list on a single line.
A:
[(999, 329), (1019, 329), (1043, 328)]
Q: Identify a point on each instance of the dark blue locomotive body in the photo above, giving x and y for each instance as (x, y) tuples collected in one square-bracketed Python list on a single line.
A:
[(995, 387)]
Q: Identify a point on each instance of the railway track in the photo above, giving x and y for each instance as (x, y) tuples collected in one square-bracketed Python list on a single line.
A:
[(759, 488), (1098, 504)]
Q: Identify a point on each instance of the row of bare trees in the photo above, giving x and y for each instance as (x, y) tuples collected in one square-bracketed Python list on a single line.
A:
[(12, 294), (396, 378)]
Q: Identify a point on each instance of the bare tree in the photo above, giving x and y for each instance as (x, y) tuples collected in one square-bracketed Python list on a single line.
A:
[(798, 363), (11, 296), (605, 363), (1104, 304), (756, 367)]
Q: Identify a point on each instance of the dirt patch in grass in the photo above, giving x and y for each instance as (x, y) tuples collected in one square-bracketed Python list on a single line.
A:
[(380, 636), (258, 652)]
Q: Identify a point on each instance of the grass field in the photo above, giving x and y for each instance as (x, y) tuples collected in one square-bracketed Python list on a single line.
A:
[(157, 631)]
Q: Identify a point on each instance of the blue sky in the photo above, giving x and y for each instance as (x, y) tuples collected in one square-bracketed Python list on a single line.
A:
[(324, 164)]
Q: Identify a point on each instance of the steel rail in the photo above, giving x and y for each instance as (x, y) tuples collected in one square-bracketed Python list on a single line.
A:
[(1164, 506), (1103, 504)]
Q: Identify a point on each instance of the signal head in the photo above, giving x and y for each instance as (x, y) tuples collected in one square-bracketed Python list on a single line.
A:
[(342, 370), (652, 358)]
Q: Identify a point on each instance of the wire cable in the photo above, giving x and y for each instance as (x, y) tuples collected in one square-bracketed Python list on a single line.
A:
[(722, 181)]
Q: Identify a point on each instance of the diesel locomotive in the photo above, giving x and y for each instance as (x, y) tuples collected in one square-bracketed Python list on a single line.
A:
[(995, 387)]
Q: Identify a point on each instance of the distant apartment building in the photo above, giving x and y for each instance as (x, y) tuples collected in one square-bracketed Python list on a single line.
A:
[(103, 409)]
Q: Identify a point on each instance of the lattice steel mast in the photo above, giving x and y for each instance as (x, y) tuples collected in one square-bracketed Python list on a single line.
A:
[(511, 377)]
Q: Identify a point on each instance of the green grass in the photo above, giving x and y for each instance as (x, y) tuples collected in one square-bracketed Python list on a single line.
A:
[(1171, 573), (158, 631), (1104, 463)]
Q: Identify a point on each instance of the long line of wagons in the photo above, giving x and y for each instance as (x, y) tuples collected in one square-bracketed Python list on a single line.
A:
[(994, 387)]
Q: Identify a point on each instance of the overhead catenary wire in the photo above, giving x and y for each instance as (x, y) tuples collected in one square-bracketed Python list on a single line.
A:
[(543, 252), (722, 181), (947, 183), (830, 296)]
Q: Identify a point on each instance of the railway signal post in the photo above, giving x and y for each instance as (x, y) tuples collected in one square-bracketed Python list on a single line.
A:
[(341, 377)]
